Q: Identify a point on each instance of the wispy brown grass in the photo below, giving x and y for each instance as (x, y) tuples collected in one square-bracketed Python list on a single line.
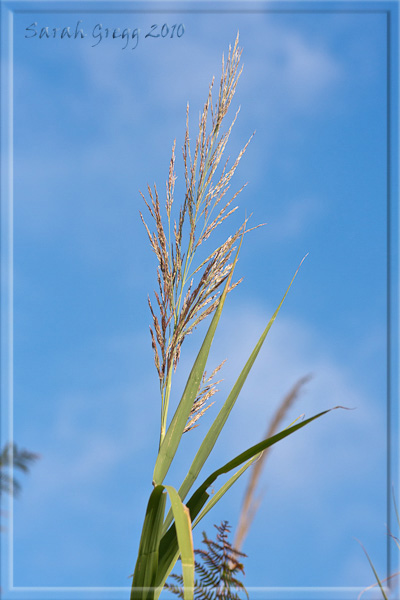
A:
[(250, 503), (188, 292)]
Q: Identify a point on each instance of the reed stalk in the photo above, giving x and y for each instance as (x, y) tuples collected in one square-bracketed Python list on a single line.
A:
[(188, 291)]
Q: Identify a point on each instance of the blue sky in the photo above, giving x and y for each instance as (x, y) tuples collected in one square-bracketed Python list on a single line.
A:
[(92, 126)]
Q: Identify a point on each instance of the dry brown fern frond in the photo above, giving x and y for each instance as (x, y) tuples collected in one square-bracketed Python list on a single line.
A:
[(217, 571)]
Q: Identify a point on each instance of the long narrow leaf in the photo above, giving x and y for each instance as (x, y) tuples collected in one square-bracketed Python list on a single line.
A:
[(218, 495), (144, 577), (185, 542), (169, 550), (374, 571), (144, 584), (248, 454), (216, 428), (374, 585), (206, 509), (166, 573), (168, 544), (174, 433)]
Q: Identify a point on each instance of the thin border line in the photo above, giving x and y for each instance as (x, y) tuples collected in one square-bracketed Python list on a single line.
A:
[(388, 12), (11, 274), (388, 291), (211, 11)]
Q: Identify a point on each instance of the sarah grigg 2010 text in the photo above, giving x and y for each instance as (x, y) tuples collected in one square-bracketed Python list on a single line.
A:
[(128, 36)]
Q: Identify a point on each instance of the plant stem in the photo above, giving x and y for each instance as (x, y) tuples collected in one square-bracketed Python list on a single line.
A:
[(165, 403)]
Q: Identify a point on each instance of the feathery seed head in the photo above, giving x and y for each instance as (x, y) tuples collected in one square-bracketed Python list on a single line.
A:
[(187, 293)]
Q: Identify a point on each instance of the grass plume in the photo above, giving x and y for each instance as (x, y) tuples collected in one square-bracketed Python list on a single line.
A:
[(188, 292)]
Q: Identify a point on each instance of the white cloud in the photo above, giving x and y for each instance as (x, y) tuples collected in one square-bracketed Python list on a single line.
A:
[(285, 75), (297, 216), (306, 70)]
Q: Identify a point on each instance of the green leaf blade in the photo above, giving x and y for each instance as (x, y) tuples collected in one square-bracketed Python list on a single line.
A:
[(168, 545), (185, 541), (144, 577), (249, 453), (219, 422), (218, 495), (374, 571), (169, 549)]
